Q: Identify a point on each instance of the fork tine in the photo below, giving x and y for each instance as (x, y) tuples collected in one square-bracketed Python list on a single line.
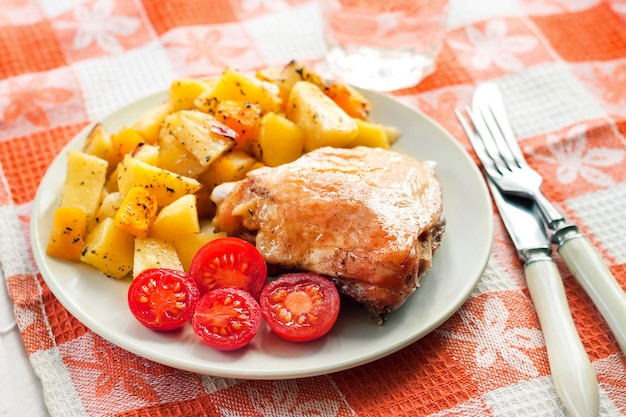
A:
[(495, 131), (477, 145), (498, 113), (484, 136)]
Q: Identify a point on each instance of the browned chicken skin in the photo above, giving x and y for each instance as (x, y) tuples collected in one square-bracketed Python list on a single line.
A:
[(368, 219)]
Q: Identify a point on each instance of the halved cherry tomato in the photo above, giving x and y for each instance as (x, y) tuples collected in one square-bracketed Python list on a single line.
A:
[(226, 318), (163, 299), (229, 262), (300, 306)]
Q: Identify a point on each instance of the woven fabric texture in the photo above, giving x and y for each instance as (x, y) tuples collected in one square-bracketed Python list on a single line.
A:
[(562, 67)]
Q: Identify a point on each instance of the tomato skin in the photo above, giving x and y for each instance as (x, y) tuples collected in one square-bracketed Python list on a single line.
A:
[(163, 299), (226, 318), (229, 262), (300, 306)]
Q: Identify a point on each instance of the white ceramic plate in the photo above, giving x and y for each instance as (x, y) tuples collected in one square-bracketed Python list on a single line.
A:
[(100, 302)]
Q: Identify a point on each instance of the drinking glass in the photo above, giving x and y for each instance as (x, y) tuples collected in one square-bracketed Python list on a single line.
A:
[(383, 45)]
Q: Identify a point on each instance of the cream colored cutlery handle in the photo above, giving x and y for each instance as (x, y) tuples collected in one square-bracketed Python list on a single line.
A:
[(593, 275), (571, 369)]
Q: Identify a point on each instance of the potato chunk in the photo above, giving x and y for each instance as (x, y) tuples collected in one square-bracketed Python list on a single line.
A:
[(201, 134), (178, 218), (147, 153), (293, 72), (84, 182), (109, 206), (109, 249), (370, 134), (149, 124), (243, 118), (165, 185), (68, 234), (154, 253), (279, 140), (137, 212), (233, 85), (324, 122), (99, 143), (231, 167), (392, 133), (184, 91), (176, 158), (188, 245), (126, 141)]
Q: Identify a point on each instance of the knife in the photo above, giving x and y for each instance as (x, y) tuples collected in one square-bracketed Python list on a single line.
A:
[(571, 369), (576, 250)]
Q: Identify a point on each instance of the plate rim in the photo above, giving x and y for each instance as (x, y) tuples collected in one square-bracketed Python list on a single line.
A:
[(218, 371)]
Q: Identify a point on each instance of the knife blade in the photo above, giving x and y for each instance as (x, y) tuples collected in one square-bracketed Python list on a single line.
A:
[(571, 369), (576, 250)]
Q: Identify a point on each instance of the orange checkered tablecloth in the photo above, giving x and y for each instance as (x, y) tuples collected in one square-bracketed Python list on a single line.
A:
[(562, 64)]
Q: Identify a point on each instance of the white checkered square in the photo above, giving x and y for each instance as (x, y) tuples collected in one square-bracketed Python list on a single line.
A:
[(532, 398), (205, 51), (13, 243), (213, 384), (494, 279), (463, 12), (111, 82), (283, 36), (57, 7), (61, 396), (547, 98), (471, 408), (538, 398), (603, 213)]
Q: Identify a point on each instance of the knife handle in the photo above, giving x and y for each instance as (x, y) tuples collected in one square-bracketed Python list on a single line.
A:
[(571, 369), (598, 282)]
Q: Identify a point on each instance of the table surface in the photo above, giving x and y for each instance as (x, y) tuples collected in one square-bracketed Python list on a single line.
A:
[(562, 67)]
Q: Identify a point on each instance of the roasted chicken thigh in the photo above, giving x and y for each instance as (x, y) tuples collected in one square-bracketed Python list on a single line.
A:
[(368, 219)]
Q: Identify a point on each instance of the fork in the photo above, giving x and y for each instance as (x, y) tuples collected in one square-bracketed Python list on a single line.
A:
[(501, 156), (496, 147)]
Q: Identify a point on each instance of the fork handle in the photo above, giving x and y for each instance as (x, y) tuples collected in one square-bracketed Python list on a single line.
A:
[(589, 269), (573, 376)]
